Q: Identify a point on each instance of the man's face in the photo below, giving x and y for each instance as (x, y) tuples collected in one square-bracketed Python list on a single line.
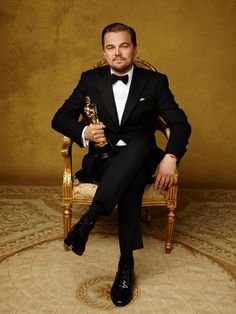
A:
[(119, 51)]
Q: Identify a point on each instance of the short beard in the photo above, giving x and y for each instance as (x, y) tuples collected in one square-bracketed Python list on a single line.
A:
[(123, 69)]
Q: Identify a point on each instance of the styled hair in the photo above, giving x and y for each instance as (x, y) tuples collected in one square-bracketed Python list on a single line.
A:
[(119, 27)]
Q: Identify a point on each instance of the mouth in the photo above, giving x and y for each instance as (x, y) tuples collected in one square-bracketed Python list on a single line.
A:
[(118, 59)]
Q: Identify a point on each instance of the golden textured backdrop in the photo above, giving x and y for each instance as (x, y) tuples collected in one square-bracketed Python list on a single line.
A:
[(46, 44)]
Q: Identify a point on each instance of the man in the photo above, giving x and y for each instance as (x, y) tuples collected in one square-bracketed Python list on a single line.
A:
[(128, 112)]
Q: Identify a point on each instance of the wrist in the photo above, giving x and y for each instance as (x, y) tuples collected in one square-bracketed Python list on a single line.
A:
[(172, 156)]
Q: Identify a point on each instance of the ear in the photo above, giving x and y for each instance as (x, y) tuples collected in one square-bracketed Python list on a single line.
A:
[(104, 56)]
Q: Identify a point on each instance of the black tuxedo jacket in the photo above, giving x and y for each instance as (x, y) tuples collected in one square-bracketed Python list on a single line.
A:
[(149, 97)]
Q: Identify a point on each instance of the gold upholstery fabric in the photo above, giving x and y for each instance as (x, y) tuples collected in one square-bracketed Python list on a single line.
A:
[(84, 191), (87, 191)]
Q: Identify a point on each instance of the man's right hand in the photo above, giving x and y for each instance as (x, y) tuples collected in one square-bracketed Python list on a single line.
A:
[(95, 133)]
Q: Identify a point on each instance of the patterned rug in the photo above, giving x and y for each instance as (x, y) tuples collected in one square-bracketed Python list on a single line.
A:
[(29, 216), (46, 279), (38, 276)]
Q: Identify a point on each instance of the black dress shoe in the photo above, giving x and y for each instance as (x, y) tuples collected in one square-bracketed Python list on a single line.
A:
[(122, 289), (78, 236)]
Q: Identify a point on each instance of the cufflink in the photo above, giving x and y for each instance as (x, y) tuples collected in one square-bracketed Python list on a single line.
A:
[(142, 99)]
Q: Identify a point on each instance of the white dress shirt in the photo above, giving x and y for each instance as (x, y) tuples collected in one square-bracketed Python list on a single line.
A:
[(120, 92)]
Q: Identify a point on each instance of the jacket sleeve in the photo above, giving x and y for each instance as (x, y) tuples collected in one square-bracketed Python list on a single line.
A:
[(65, 120), (175, 119)]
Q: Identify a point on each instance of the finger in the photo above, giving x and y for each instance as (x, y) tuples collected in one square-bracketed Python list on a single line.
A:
[(156, 172), (101, 124), (166, 182), (97, 128), (157, 182), (162, 183), (98, 133), (100, 137), (171, 182), (100, 140)]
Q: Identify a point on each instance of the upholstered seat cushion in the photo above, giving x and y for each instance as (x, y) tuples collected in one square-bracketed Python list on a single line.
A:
[(86, 191)]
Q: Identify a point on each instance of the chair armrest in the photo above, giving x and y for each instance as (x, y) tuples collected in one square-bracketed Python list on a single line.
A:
[(176, 177), (171, 195), (66, 146), (67, 173)]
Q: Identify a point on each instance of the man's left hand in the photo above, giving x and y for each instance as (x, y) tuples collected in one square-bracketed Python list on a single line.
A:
[(165, 172)]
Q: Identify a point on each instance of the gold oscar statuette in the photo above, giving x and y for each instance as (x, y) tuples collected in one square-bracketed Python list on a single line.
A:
[(104, 148)]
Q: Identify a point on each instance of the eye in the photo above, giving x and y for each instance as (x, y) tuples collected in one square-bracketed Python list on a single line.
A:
[(110, 47)]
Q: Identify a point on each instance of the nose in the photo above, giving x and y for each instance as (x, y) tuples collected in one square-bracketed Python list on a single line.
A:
[(117, 51)]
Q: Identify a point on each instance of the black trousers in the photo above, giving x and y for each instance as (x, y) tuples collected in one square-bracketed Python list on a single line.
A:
[(122, 179)]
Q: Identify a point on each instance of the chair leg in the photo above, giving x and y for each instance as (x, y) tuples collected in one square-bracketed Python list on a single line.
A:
[(67, 216), (170, 228), (146, 215)]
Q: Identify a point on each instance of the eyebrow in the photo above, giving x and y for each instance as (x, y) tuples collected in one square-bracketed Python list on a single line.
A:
[(124, 43)]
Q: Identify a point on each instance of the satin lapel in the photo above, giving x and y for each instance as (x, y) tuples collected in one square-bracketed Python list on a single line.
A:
[(106, 92), (136, 88)]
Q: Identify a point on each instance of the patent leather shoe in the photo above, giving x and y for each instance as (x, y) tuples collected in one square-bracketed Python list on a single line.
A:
[(122, 289), (77, 237)]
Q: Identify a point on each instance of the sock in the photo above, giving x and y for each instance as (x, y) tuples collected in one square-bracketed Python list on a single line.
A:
[(94, 212), (126, 258)]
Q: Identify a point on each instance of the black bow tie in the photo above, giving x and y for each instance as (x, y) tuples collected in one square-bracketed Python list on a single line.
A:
[(123, 78)]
